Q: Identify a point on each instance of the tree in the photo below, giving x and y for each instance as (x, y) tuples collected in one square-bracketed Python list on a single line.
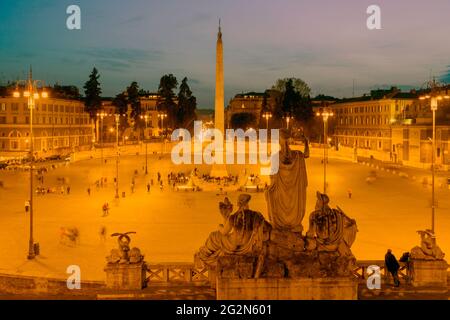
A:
[(121, 104), (299, 85), (243, 120), (187, 104), (134, 101), (92, 91), (292, 102), (166, 98)]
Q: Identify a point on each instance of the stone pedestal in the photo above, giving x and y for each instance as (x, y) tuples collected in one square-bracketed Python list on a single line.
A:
[(125, 276), (429, 273), (287, 289)]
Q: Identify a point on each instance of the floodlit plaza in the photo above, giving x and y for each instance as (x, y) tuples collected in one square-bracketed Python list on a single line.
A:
[(225, 150), (171, 225)]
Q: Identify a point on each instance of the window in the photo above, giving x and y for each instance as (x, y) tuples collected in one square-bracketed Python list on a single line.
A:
[(14, 107), (44, 107), (2, 120), (14, 120), (27, 120), (3, 107)]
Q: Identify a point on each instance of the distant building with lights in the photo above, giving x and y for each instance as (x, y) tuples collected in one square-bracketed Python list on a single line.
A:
[(251, 105), (391, 126), (59, 126)]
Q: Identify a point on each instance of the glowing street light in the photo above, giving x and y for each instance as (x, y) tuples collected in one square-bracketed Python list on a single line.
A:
[(31, 92), (145, 117), (325, 114), (162, 116), (434, 97), (267, 115), (117, 118), (288, 119), (101, 115)]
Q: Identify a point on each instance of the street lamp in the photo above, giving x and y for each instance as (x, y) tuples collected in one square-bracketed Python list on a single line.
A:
[(434, 97), (288, 119), (32, 93), (145, 117), (101, 115), (117, 117), (267, 115), (325, 114), (162, 116)]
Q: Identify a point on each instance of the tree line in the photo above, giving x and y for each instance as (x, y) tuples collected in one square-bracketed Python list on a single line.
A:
[(180, 107)]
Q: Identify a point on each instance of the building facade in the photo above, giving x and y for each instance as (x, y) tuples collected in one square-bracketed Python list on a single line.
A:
[(107, 125), (59, 126), (396, 127), (365, 123)]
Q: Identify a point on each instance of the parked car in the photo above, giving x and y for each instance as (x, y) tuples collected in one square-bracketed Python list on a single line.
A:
[(3, 165)]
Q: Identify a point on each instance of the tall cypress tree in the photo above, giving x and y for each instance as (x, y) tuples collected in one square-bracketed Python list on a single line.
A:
[(166, 99), (92, 91), (134, 100), (187, 104)]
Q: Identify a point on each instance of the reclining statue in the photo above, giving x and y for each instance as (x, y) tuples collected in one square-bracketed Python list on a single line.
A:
[(428, 249), (330, 229), (243, 233)]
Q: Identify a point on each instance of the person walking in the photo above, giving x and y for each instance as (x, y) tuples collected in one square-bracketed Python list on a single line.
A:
[(68, 190), (148, 187), (349, 191), (105, 209), (103, 233), (392, 266), (27, 206), (89, 191)]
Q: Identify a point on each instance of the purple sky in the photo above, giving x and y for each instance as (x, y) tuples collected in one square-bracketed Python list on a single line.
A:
[(326, 43)]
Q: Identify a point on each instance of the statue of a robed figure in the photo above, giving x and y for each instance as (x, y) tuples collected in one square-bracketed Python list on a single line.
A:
[(286, 195), (247, 245)]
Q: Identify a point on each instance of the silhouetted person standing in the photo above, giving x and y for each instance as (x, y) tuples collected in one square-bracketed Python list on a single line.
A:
[(392, 266)]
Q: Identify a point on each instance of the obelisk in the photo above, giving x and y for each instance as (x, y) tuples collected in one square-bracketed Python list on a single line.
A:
[(219, 170)]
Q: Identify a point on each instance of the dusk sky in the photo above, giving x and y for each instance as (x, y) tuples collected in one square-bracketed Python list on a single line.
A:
[(326, 43)]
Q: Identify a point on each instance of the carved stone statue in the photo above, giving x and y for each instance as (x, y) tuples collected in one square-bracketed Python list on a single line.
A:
[(286, 195), (330, 229), (124, 254), (428, 249), (243, 233)]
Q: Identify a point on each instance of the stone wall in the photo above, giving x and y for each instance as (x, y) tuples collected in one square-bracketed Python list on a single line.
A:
[(15, 284)]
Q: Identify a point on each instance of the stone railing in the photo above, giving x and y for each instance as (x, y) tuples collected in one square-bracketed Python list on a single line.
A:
[(360, 271), (187, 273), (177, 273)]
